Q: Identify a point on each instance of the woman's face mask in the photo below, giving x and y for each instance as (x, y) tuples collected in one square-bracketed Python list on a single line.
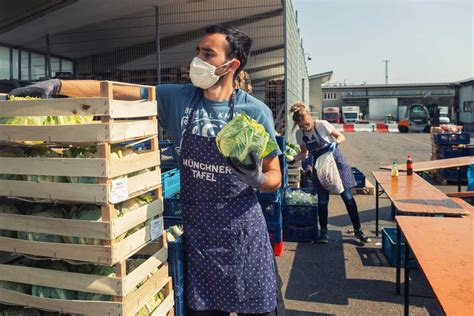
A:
[(203, 74)]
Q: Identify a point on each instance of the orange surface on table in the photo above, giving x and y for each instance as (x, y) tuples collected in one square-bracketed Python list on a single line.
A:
[(435, 164), (444, 249), (413, 195)]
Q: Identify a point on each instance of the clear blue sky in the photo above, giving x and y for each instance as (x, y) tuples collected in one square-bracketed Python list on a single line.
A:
[(425, 40)]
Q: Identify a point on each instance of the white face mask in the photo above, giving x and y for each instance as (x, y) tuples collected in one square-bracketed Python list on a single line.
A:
[(203, 74)]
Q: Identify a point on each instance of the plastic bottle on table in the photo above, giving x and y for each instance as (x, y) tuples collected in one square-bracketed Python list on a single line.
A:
[(409, 166), (394, 171)]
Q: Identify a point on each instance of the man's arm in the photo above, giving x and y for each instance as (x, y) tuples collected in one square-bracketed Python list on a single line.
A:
[(74, 88), (272, 172)]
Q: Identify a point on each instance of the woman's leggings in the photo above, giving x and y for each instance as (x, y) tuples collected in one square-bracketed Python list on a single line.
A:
[(349, 201)]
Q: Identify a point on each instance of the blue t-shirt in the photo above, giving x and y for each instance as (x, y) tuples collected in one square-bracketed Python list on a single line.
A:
[(174, 107)]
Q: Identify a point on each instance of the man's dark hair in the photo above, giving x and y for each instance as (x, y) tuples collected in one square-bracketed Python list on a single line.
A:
[(239, 43)]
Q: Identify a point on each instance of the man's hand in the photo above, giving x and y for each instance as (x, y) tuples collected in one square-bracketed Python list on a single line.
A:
[(252, 175), (43, 89)]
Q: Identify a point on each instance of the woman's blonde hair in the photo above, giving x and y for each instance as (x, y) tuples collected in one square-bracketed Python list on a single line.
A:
[(299, 111)]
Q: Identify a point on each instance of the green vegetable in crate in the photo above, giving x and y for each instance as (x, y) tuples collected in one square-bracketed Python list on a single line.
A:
[(53, 212), (20, 311), (8, 209), (97, 270), (51, 292), (151, 305), (291, 151), (86, 212), (243, 135)]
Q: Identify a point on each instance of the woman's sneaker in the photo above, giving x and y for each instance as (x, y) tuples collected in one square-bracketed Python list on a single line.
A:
[(323, 236), (359, 234)]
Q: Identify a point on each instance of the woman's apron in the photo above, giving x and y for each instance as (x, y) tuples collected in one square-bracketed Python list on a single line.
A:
[(230, 261), (317, 147)]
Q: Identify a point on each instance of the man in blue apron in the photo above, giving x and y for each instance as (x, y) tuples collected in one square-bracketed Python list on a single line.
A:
[(230, 261)]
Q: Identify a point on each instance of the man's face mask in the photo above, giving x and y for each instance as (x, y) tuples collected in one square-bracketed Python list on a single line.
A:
[(203, 74)]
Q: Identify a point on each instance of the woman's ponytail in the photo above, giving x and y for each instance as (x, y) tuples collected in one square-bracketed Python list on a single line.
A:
[(299, 111)]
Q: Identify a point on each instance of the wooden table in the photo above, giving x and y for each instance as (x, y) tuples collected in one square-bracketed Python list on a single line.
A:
[(437, 164), (411, 195), (444, 249)]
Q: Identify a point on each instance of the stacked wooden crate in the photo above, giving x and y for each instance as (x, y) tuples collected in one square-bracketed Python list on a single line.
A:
[(115, 122), (275, 100), (243, 82), (294, 174)]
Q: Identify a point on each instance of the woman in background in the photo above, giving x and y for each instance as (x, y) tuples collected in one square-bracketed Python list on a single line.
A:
[(318, 137)]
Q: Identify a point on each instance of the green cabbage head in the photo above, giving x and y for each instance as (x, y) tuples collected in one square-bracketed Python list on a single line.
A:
[(243, 135)]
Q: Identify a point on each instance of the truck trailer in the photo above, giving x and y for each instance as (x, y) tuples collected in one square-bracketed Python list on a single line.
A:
[(332, 115)]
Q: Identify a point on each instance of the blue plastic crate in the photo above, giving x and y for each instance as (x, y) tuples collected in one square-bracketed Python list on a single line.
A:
[(452, 175), (275, 232), (300, 215), (296, 233), (470, 178), (452, 138), (146, 145), (171, 206), (171, 221), (389, 247), (180, 308), (271, 210), (176, 261), (454, 152), (359, 177), (170, 181), (168, 159), (269, 196)]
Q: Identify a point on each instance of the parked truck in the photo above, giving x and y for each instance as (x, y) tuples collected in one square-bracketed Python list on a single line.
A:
[(332, 115), (350, 114)]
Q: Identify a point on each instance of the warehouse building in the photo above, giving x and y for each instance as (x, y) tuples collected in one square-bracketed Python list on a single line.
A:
[(465, 103), (150, 42), (378, 100), (315, 92)]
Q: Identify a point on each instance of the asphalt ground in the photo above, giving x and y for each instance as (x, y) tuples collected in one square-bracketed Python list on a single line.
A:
[(346, 277)]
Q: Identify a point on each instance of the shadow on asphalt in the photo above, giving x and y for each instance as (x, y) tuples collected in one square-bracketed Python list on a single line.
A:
[(318, 275), (366, 216)]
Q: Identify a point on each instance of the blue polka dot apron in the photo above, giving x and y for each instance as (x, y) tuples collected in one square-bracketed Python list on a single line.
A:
[(317, 146), (229, 258)]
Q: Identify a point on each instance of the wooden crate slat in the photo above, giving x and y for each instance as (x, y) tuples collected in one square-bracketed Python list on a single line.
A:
[(130, 109), (85, 253), (55, 107), (64, 306), (135, 217), (123, 131), (83, 167), (133, 279), (82, 133), (131, 245), (165, 306), (61, 279), (129, 164), (56, 226), (136, 300), (78, 192)]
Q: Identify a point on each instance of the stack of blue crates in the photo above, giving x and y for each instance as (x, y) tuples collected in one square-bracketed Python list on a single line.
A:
[(176, 272), (300, 222), (452, 145)]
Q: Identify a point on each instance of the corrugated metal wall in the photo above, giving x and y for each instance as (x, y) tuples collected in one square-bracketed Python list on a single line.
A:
[(297, 82)]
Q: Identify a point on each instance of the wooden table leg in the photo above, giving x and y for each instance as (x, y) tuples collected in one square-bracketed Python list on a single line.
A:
[(376, 208), (407, 281), (398, 261), (459, 179)]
